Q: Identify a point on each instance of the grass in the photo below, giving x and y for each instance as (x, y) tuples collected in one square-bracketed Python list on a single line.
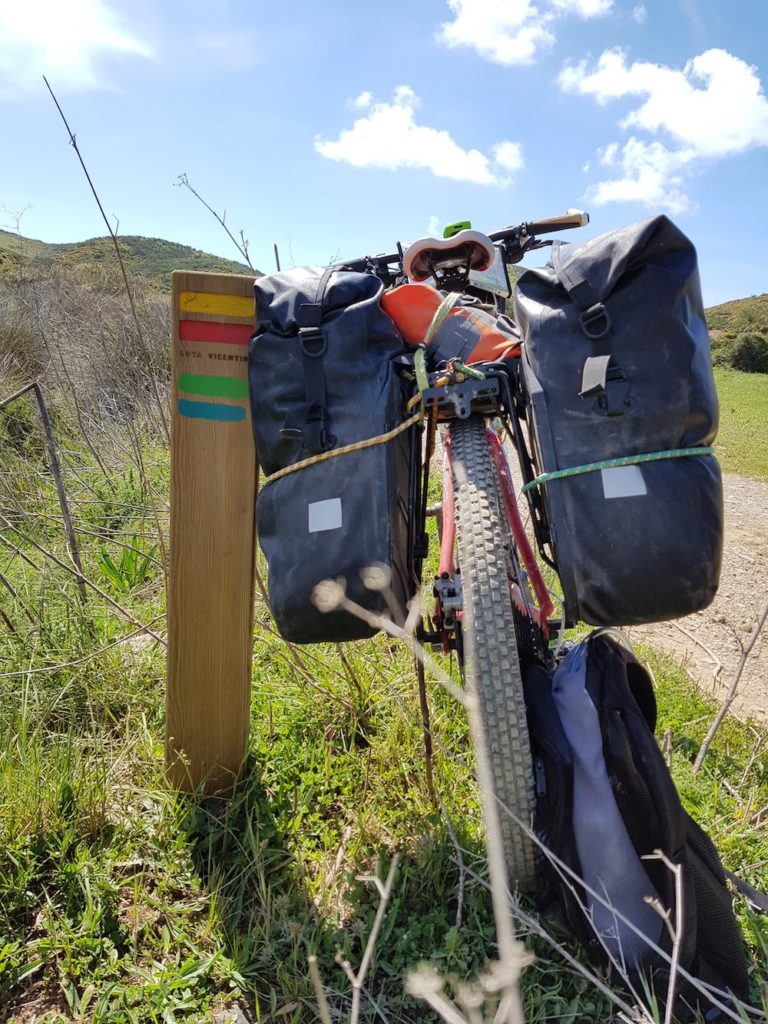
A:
[(742, 440), (123, 902)]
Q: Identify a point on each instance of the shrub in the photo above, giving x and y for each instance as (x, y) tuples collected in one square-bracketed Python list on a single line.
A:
[(749, 353)]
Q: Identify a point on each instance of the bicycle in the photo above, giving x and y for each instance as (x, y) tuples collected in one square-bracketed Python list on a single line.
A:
[(492, 605)]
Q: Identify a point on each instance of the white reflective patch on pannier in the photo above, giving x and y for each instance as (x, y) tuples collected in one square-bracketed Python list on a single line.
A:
[(623, 482), (324, 515)]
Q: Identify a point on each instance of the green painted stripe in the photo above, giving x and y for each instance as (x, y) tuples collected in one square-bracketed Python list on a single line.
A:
[(219, 387)]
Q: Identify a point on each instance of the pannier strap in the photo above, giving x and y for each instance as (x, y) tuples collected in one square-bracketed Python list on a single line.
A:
[(315, 431), (625, 460), (441, 314), (594, 375), (346, 449), (608, 382), (594, 317)]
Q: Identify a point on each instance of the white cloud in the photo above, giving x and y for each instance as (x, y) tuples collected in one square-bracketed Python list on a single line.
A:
[(648, 173), (434, 226), (388, 137), (712, 108), (63, 39), (363, 101), (715, 104), (502, 31), (511, 31), (640, 14), (584, 8), (509, 155)]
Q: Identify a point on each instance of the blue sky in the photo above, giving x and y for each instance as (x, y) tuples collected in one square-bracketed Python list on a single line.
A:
[(336, 128)]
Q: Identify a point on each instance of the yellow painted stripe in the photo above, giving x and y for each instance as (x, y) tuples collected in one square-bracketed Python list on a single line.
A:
[(215, 304)]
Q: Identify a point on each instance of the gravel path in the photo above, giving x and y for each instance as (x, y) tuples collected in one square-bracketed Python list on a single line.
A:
[(709, 643)]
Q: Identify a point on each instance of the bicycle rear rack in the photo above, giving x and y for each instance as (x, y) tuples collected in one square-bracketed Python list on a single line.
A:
[(461, 400)]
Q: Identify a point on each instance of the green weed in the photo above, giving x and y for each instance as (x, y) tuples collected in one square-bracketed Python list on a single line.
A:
[(131, 570)]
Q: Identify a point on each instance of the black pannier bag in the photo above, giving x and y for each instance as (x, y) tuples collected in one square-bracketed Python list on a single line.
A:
[(606, 806), (322, 375), (616, 365)]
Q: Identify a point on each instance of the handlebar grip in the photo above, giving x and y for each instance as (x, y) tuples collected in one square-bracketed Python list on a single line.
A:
[(572, 219)]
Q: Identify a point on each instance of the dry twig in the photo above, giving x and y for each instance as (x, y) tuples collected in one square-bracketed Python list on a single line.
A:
[(74, 551), (124, 272), (718, 665), (62, 565), (731, 692), (675, 931), (357, 978), (242, 245)]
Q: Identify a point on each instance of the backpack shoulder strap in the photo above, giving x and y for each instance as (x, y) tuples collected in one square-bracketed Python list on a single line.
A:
[(757, 899)]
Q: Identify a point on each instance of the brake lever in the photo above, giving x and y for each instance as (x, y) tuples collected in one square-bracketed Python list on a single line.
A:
[(524, 246)]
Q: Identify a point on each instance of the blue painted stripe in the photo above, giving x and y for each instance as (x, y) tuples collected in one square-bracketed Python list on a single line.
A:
[(211, 411)]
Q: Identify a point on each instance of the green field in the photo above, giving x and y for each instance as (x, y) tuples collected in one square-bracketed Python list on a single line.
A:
[(742, 439)]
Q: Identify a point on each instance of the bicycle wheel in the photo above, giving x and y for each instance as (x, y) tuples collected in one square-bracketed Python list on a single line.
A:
[(491, 665)]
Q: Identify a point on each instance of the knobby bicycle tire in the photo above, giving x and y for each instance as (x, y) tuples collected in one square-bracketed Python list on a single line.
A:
[(491, 664)]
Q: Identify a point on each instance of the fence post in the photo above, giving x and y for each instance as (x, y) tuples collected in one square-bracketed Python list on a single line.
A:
[(214, 478)]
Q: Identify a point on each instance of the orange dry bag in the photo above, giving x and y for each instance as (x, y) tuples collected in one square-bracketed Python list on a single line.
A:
[(467, 333)]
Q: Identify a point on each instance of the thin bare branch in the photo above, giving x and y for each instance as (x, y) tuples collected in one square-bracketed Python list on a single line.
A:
[(74, 550), (322, 1002), (87, 658), (14, 594), (674, 930), (731, 692), (357, 979), (459, 861), (242, 245), (124, 272), (62, 565), (718, 665), (385, 893)]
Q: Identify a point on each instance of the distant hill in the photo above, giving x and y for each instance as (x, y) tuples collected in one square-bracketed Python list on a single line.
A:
[(155, 258), (150, 258), (739, 315)]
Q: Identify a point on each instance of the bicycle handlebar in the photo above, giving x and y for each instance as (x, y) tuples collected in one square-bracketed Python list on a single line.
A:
[(573, 219), (517, 241)]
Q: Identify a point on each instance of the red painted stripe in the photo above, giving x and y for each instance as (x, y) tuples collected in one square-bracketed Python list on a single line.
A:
[(217, 334)]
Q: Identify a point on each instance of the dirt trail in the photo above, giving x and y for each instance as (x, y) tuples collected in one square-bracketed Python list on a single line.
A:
[(709, 643)]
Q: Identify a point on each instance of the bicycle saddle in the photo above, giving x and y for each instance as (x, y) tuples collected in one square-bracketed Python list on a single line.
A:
[(426, 255)]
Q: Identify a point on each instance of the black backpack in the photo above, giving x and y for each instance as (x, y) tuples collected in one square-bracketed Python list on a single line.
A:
[(323, 373), (605, 725)]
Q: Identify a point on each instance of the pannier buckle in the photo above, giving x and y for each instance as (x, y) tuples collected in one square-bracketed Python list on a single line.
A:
[(595, 321), (313, 342), (317, 436)]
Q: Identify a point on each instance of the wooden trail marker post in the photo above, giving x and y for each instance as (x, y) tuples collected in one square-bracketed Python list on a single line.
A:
[(214, 478)]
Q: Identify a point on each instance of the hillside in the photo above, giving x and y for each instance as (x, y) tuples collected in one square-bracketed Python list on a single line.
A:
[(740, 315), (155, 258), (150, 258)]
